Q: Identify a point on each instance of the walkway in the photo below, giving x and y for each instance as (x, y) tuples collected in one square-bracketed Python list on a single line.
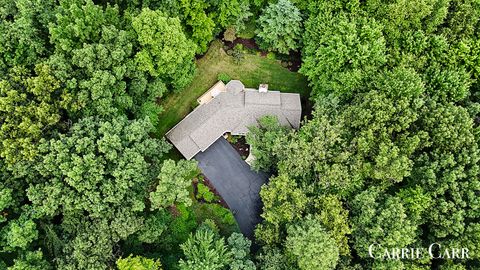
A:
[(238, 185)]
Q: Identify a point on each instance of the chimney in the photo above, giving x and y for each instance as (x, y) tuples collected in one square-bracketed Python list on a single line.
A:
[(263, 88)]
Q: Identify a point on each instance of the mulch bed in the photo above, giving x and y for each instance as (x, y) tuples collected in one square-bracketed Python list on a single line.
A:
[(209, 184), (241, 147), (247, 43), (295, 60)]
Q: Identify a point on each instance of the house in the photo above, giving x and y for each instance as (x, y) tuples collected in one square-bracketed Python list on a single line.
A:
[(232, 108)]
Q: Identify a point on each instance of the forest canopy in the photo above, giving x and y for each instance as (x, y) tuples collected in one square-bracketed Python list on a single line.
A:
[(388, 153)]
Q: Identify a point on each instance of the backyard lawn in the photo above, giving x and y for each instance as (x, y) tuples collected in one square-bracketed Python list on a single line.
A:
[(252, 71)]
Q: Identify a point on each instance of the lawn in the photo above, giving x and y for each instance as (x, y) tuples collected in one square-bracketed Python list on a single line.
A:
[(252, 71)]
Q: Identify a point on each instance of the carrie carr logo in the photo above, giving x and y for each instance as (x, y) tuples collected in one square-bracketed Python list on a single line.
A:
[(434, 251)]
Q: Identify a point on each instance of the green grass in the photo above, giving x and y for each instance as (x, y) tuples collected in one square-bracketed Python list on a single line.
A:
[(252, 71)]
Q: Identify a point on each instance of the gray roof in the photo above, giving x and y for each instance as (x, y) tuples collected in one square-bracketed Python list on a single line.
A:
[(232, 111)]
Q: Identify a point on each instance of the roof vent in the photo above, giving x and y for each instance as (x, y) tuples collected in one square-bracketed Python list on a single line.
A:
[(263, 88)]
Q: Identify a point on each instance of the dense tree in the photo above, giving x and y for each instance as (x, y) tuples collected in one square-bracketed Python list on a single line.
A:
[(462, 19), (174, 180), (31, 260), (307, 242), (428, 147), (95, 61), (232, 13), (243, 16), (204, 250), (449, 170), (165, 50), (272, 258), (389, 155), (240, 247), (115, 156), (30, 108), (333, 216), (199, 23), (341, 51), (95, 178), (154, 226), (393, 132), (138, 263), (23, 32), (404, 16), (284, 202), (383, 221), (92, 57), (19, 233), (280, 27), (262, 139), (351, 145)]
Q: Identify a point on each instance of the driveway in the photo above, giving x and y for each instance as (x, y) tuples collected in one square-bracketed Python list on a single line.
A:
[(238, 185)]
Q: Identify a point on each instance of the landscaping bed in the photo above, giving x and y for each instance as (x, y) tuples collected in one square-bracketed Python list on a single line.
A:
[(208, 204), (240, 145)]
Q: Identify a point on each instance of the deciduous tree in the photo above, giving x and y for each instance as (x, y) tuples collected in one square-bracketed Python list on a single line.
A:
[(283, 202), (138, 263), (341, 50), (205, 250), (262, 140), (240, 247), (94, 180), (23, 33), (307, 241), (173, 183), (165, 51), (232, 13), (30, 108), (200, 24), (280, 27), (381, 219), (92, 58)]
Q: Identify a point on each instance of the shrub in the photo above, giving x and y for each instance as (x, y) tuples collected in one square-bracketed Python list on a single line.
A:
[(209, 224), (180, 227), (239, 47), (233, 139), (225, 216), (237, 54), (229, 34), (224, 77), (222, 216), (203, 192), (271, 55)]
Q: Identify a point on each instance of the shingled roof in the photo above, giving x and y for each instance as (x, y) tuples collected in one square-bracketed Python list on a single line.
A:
[(232, 111)]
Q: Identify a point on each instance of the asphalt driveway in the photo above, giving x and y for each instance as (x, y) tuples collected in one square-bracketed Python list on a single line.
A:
[(238, 185)]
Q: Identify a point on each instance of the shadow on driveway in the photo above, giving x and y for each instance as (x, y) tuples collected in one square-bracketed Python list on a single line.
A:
[(238, 185)]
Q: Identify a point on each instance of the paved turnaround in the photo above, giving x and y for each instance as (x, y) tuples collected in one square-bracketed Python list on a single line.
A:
[(238, 185)]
